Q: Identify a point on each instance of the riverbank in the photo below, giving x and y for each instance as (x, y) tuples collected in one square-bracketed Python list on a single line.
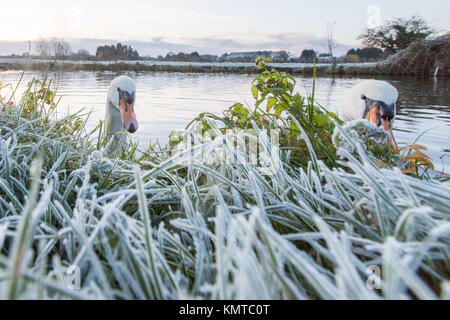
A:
[(238, 68), (421, 59), (374, 69)]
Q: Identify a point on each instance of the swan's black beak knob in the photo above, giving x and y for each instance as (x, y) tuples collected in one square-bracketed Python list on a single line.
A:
[(131, 128), (387, 111)]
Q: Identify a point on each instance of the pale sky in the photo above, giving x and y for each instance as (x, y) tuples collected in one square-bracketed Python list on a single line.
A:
[(213, 26)]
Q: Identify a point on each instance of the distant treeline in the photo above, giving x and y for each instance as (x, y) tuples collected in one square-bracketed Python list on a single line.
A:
[(278, 56), (421, 59), (59, 49), (187, 57), (116, 52), (367, 55), (352, 56)]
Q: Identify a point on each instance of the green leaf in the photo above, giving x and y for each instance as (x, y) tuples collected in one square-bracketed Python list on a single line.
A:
[(270, 103), (255, 92), (279, 109), (320, 119)]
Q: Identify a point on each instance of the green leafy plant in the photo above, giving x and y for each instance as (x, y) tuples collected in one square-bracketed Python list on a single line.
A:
[(278, 107)]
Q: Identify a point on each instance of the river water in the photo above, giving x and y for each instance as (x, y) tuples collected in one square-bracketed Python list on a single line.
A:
[(169, 101)]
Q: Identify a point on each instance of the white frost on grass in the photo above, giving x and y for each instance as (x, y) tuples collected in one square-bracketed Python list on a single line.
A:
[(213, 229), (356, 132)]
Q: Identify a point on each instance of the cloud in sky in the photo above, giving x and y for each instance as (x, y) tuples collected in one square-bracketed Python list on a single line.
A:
[(291, 42), (209, 26)]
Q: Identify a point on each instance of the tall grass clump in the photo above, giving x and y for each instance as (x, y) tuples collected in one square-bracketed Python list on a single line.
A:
[(333, 221)]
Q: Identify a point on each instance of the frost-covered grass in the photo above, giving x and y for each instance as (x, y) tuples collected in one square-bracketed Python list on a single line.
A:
[(166, 228)]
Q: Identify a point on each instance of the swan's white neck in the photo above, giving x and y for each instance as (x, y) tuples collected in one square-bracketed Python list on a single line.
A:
[(120, 117), (113, 119)]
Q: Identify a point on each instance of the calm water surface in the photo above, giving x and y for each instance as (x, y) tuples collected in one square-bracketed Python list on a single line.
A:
[(169, 101)]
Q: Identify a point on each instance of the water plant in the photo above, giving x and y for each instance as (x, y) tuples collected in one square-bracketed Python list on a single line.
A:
[(75, 223)]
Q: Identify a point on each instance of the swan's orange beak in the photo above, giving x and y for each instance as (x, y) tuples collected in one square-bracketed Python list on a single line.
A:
[(372, 116), (128, 116)]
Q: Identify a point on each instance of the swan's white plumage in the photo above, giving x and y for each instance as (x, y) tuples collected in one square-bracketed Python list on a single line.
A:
[(125, 83), (113, 116), (353, 106)]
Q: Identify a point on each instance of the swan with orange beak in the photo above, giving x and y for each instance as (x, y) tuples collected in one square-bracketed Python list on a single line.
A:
[(375, 101), (120, 115)]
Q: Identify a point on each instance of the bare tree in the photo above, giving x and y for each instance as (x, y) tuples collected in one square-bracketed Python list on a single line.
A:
[(42, 47), (61, 48), (66, 49), (331, 41), (83, 53), (53, 48)]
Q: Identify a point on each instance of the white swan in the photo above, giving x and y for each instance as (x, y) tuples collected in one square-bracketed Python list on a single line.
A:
[(373, 100), (120, 116)]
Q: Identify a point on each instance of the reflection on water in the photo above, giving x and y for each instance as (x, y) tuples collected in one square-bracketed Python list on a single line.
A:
[(168, 101)]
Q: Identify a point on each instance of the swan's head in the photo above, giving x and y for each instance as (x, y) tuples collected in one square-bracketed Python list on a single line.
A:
[(126, 106), (122, 94), (379, 112), (373, 100)]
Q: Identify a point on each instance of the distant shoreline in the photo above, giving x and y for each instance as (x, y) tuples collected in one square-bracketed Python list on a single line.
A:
[(341, 69), (426, 58)]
